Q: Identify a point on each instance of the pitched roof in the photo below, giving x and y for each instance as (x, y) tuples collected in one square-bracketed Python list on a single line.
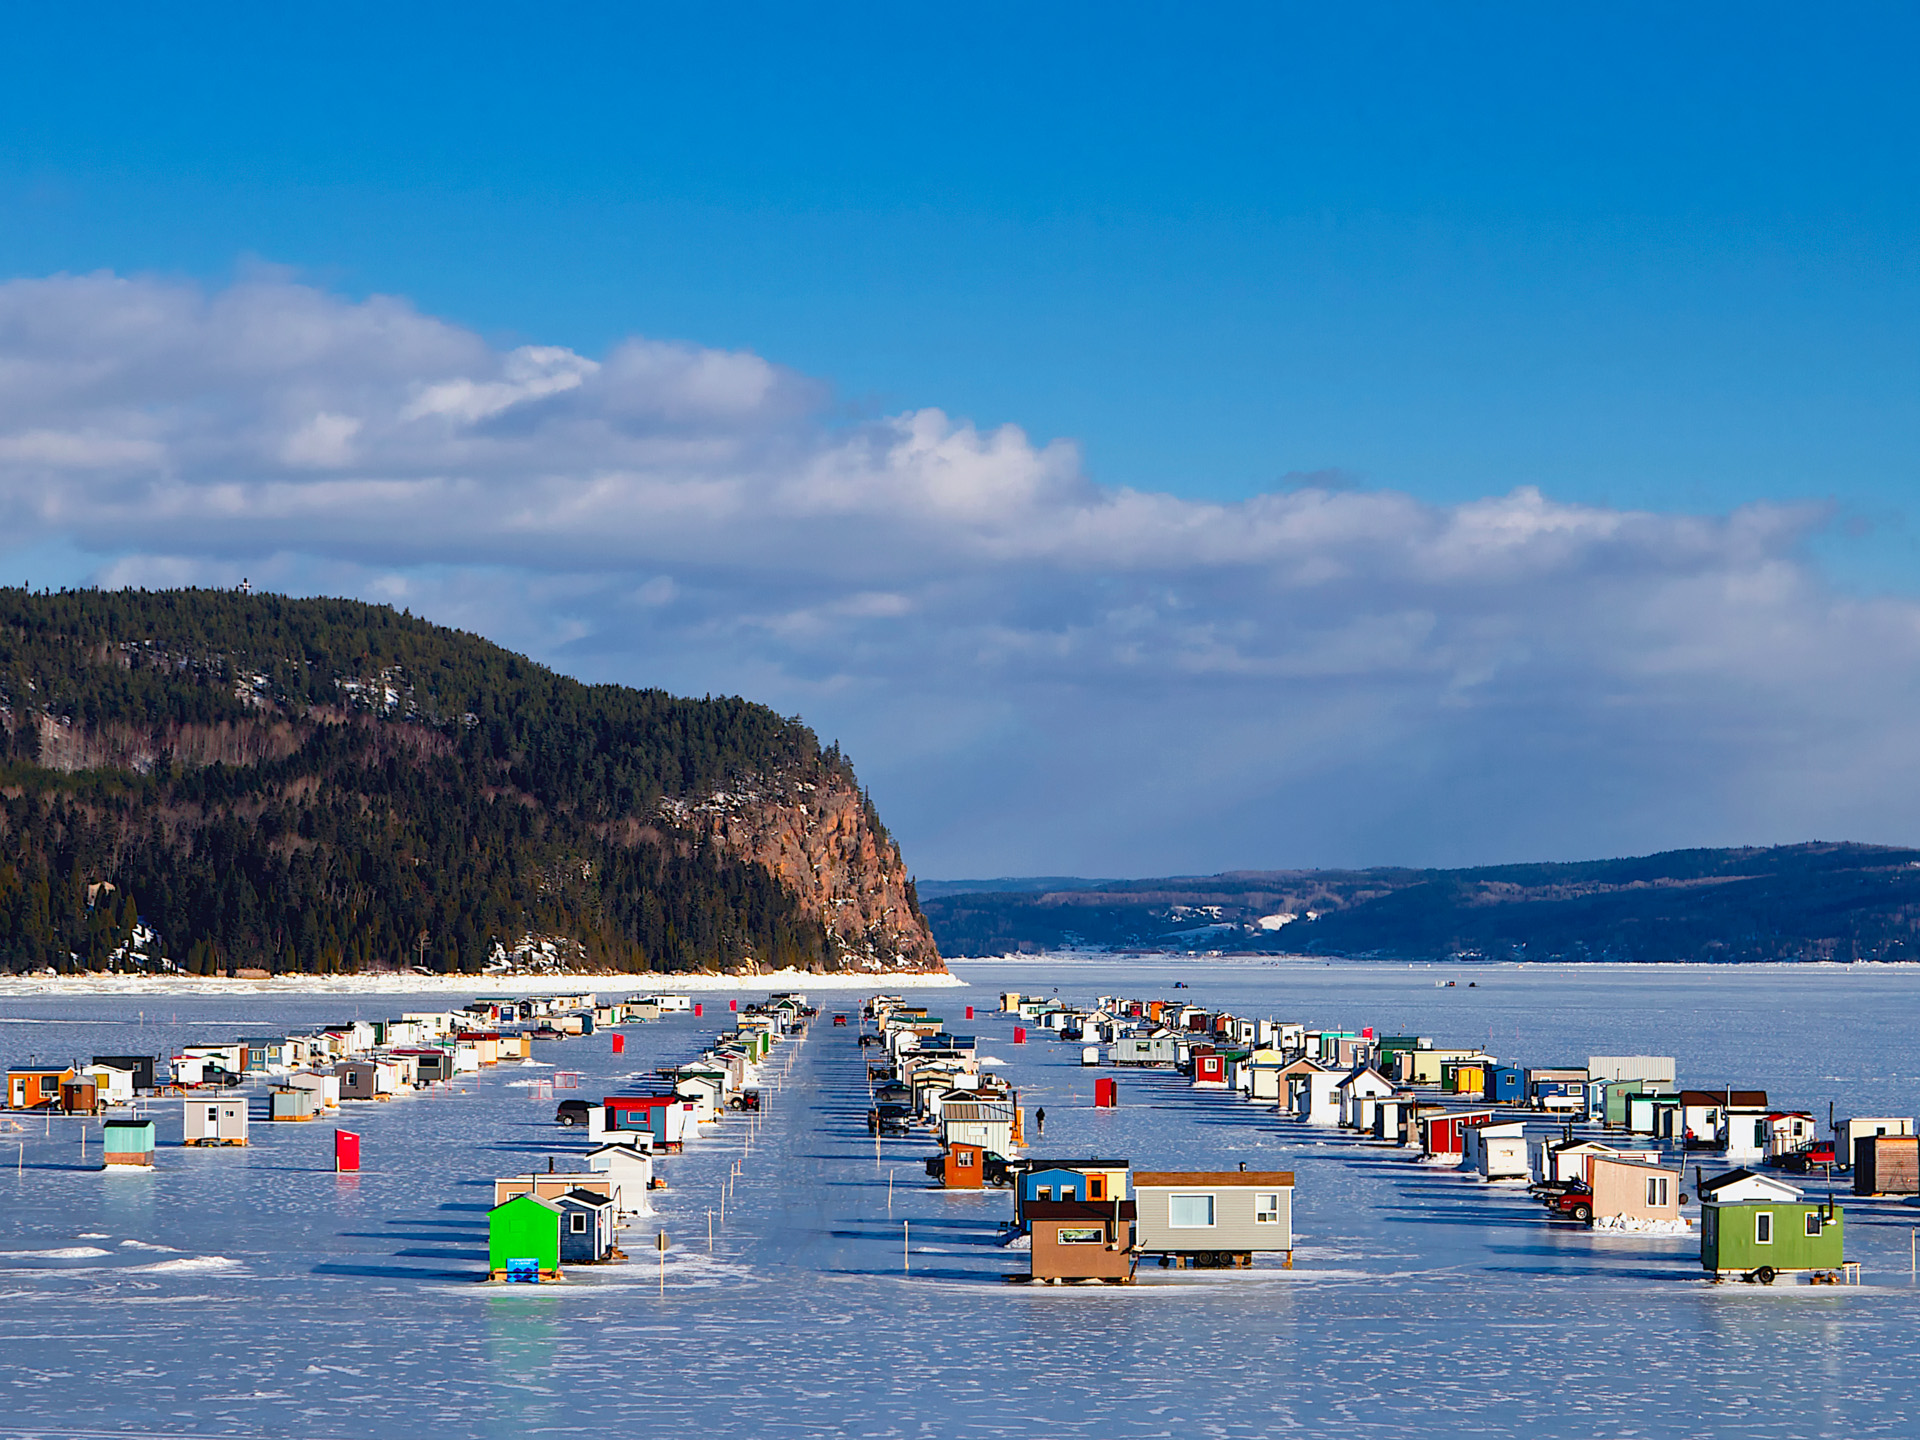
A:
[(1163, 1179)]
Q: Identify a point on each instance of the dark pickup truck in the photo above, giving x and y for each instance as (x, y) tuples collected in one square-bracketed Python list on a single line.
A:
[(572, 1112), (890, 1120)]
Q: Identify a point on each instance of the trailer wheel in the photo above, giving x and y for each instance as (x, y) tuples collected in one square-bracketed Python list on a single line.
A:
[(1766, 1274)]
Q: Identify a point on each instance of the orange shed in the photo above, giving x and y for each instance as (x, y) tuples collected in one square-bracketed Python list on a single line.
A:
[(965, 1167)]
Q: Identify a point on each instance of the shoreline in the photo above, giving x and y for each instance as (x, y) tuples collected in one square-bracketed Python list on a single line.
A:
[(406, 983)]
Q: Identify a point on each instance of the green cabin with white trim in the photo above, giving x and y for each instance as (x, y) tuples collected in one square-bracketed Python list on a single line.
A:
[(1759, 1226)]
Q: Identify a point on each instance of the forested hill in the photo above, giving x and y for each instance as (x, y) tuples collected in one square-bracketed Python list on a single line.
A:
[(1791, 902), (232, 781)]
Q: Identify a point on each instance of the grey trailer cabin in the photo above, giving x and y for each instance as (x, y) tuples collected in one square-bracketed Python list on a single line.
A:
[(1214, 1218), (1145, 1050)]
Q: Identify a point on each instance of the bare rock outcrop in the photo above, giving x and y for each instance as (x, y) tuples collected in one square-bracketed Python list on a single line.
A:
[(823, 843)]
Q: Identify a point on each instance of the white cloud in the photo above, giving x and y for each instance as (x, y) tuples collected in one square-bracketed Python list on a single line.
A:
[(1037, 672)]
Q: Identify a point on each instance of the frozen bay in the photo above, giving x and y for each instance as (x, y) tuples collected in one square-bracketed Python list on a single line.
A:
[(253, 1292)]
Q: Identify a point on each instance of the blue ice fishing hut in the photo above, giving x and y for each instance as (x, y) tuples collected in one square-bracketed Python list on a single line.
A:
[(1506, 1085)]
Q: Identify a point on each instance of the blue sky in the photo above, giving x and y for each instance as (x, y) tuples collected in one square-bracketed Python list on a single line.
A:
[(1643, 260)]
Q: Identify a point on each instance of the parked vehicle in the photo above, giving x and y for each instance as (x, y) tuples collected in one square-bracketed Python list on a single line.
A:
[(1573, 1202), (572, 1112)]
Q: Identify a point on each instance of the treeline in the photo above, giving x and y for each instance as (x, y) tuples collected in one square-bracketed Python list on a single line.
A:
[(442, 796), (1817, 902)]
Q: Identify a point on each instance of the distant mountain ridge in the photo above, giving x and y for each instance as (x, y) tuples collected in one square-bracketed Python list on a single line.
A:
[(231, 780), (1816, 901)]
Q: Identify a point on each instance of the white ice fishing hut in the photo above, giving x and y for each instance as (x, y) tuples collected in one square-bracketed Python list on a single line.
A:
[(215, 1122)]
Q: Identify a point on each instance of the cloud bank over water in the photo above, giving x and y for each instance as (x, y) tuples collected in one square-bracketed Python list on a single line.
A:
[(1034, 671)]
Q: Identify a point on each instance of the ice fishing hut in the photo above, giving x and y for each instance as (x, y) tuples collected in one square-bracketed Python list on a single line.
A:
[(287, 1103), (1506, 1085), (215, 1122), (1081, 1240), (36, 1086), (586, 1228), (1214, 1218), (961, 1167), (1758, 1227), (1443, 1134), (128, 1142), (1495, 1152), (1634, 1195), (1886, 1165), (523, 1240), (631, 1169)]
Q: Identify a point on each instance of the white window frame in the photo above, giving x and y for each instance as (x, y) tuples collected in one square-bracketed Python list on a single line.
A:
[(1763, 1227), (1266, 1208), (1081, 1235), (1173, 1204), (579, 1225)]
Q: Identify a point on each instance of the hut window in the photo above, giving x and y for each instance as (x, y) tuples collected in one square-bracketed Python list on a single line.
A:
[(579, 1223), (1813, 1222), (964, 1159), (1190, 1212), (1045, 1192), (1082, 1234), (1657, 1191), (1266, 1209), (1763, 1228)]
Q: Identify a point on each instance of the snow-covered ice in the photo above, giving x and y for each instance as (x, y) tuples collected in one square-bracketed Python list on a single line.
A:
[(290, 1301)]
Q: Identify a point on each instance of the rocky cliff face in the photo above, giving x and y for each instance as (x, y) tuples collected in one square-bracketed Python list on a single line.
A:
[(823, 843)]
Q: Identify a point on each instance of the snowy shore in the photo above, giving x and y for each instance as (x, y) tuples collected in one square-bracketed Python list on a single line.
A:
[(411, 983)]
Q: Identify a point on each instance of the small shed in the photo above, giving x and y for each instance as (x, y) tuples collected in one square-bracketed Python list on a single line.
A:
[(215, 1122), (1506, 1085), (1850, 1131), (631, 1169), (1886, 1165), (586, 1228), (287, 1103), (1443, 1135), (1081, 1240), (1214, 1217), (359, 1079), (1495, 1152), (524, 1232), (79, 1097), (963, 1167), (128, 1142), (1633, 1195), (1209, 1070)]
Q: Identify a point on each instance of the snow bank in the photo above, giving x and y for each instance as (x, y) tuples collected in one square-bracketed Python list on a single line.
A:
[(409, 983), (1628, 1224)]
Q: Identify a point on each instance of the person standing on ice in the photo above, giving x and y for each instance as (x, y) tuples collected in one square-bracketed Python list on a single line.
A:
[(1040, 1120)]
